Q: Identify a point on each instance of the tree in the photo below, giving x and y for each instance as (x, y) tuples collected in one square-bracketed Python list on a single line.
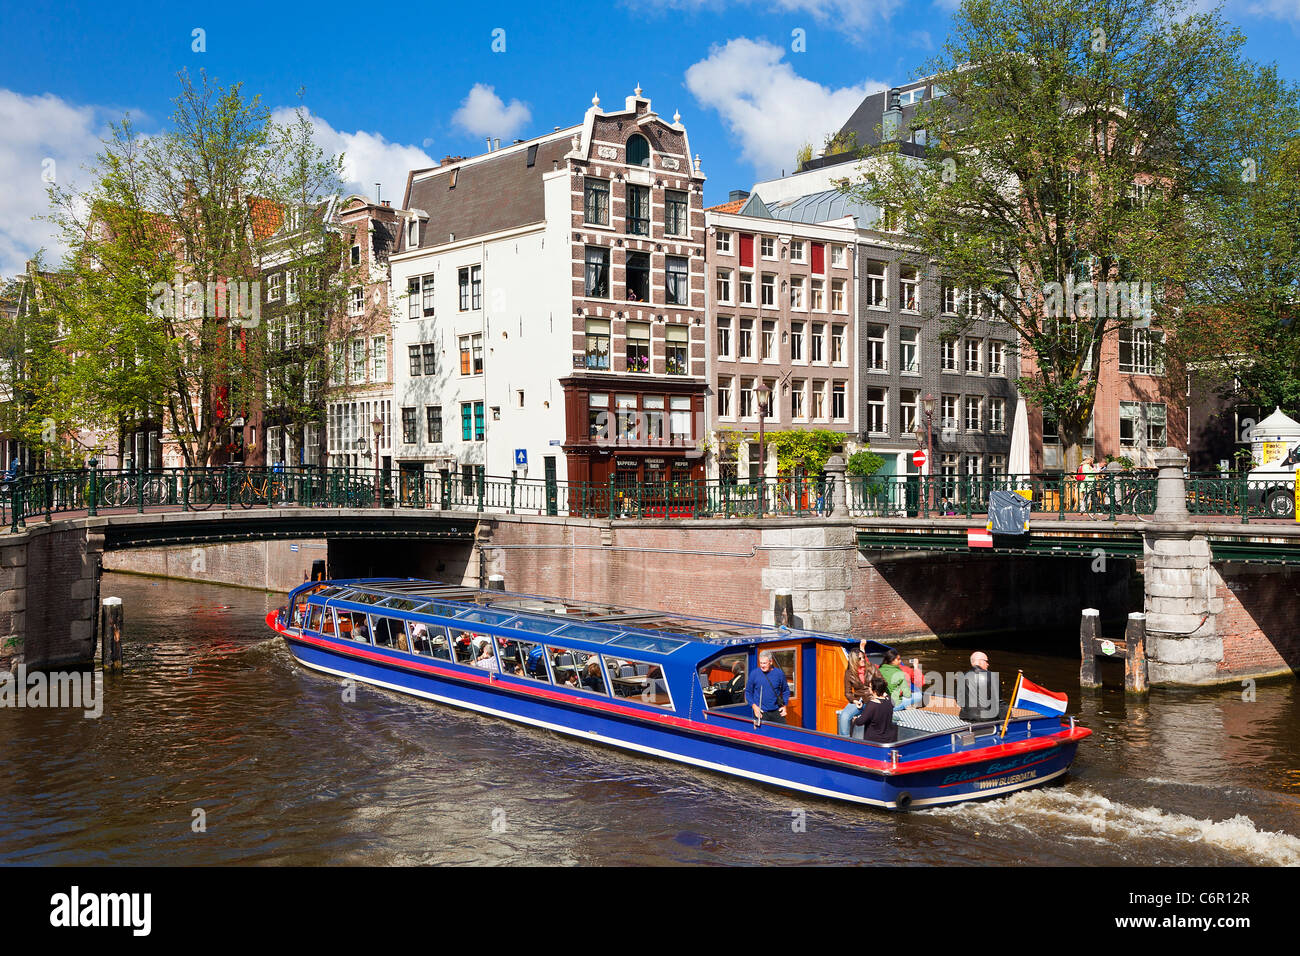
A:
[(1063, 157), (808, 449)]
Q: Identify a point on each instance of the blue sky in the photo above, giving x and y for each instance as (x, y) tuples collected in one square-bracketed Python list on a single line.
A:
[(400, 85)]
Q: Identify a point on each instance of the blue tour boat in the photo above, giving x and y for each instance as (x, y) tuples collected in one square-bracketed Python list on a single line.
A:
[(661, 683)]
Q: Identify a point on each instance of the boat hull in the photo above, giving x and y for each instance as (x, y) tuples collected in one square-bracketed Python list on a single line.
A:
[(724, 745)]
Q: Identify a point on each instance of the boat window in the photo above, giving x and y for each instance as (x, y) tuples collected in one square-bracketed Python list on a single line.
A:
[(598, 635), (522, 658), (723, 679), (644, 642), (300, 604), (429, 640), (538, 625), (462, 646), (480, 616), (401, 604), (313, 623), (483, 652), (577, 670), (353, 625), (389, 632), (639, 681), (784, 658), (365, 597), (441, 609)]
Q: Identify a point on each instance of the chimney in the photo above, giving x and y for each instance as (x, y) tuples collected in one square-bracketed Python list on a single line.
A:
[(892, 122), (489, 142), (497, 143), (736, 194)]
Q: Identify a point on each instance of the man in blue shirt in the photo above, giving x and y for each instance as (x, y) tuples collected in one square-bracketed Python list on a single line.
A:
[(766, 691)]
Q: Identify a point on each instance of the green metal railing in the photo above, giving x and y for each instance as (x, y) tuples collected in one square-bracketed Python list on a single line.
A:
[(1105, 496)]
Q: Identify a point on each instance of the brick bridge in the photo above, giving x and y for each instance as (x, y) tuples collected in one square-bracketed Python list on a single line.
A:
[(1220, 595)]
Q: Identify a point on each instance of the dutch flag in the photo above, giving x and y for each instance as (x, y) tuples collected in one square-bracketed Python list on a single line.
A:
[(1040, 700)]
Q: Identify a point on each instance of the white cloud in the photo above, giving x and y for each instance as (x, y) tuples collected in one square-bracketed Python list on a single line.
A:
[(853, 17), (40, 133), (483, 113), (368, 158), (1275, 9), (768, 107)]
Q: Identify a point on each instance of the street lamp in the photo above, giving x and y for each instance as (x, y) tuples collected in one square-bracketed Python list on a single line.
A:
[(929, 443), (764, 396), (377, 426)]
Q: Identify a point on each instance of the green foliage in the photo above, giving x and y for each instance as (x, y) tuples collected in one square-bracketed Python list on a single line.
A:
[(808, 450), (863, 463)]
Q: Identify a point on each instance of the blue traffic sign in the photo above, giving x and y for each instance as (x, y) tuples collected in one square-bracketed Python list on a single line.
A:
[(521, 457)]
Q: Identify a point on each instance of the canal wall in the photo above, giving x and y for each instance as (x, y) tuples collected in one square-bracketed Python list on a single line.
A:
[(264, 565), (48, 596), (1259, 623)]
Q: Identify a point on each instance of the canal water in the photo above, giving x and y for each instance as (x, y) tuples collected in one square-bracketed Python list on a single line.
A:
[(215, 747)]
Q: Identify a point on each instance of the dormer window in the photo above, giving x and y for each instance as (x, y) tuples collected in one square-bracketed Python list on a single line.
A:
[(638, 150), (412, 232)]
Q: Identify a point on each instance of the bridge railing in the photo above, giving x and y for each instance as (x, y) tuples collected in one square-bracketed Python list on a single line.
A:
[(1101, 496)]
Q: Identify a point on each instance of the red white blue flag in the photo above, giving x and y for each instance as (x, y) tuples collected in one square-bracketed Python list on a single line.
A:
[(1040, 700)]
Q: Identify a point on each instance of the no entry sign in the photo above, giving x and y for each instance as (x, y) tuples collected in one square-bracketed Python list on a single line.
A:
[(918, 459)]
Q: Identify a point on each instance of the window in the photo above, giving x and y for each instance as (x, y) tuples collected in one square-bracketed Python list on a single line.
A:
[(412, 233), (724, 286), (909, 410), (797, 247), (909, 289), (722, 243), (724, 336), (274, 287), (653, 412), (748, 408), (471, 354), (1140, 351), (819, 401), (877, 298), (679, 419), (839, 404), (638, 210), (838, 351), (796, 342), (951, 299), (598, 344), (677, 280), (470, 280), (638, 277), (413, 352), (357, 365), (973, 465), (948, 355), (356, 300), (638, 150), (997, 416), (796, 292), (837, 296), (408, 426), (837, 257), (997, 466), (471, 421), (767, 247), (675, 213), (355, 255), (817, 295), (818, 342), (725, 386), (433, 420), (291, 287), (997, 357), (597, 276), (595, 201), (413, 298), (767, 344), (598, 416), (974, 355), (626, 413), (638, 347), (767, 290), (638, 681), (974, 405), (746, 338), (877, 348), (948, 412), (576, 670), (1143, 424), (909, 350), (747, 288), (878, 411), (798, 400)]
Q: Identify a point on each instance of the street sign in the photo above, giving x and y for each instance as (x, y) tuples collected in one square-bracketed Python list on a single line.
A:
[(521, 457), (556, 441), (918, 459), (979, 538)]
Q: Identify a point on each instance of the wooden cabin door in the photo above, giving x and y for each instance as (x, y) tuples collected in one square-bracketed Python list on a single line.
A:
[(831, 661)]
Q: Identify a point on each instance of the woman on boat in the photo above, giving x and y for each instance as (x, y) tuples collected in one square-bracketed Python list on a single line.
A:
[(857, 675), (591, 678), (877, 717), (901, 689)]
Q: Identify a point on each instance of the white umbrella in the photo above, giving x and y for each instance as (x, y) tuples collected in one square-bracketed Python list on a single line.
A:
[(1019, 462)]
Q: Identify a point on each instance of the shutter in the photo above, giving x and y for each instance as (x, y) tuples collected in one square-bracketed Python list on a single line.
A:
[(746, 251), (819, 258)]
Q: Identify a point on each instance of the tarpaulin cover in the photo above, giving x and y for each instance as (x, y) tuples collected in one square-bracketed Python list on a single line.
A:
[(1008, 512)]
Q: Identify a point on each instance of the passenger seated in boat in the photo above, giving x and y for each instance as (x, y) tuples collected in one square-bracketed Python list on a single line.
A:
[(877, 717), (487, 656), (591, 677), (464, 647), (360, 631), (733, 691), (900, 687), (857, 677)]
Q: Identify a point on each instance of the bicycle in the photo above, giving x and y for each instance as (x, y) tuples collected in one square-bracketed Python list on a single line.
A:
[(268, 490), (125, 490), (1131, 496)]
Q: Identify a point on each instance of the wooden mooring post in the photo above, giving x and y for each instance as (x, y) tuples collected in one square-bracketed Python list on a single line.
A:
[(110, 632), (1132, 650)]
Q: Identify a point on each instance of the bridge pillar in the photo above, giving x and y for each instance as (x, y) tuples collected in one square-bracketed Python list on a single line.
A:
[(838, 506), (815, 566), (1183, 642)]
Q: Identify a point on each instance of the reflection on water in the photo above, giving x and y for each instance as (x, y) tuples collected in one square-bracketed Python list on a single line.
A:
[(215, 716)]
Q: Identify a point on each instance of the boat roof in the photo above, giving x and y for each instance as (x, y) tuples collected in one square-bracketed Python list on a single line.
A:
[(627, 629)]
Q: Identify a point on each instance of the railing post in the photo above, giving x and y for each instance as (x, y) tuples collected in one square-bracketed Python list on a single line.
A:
[(610, 496), (14, 505), (514, 478), (49, 495), (1060, 502), (1245, 498), (478, 481), (139, 490), (93, 503)]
